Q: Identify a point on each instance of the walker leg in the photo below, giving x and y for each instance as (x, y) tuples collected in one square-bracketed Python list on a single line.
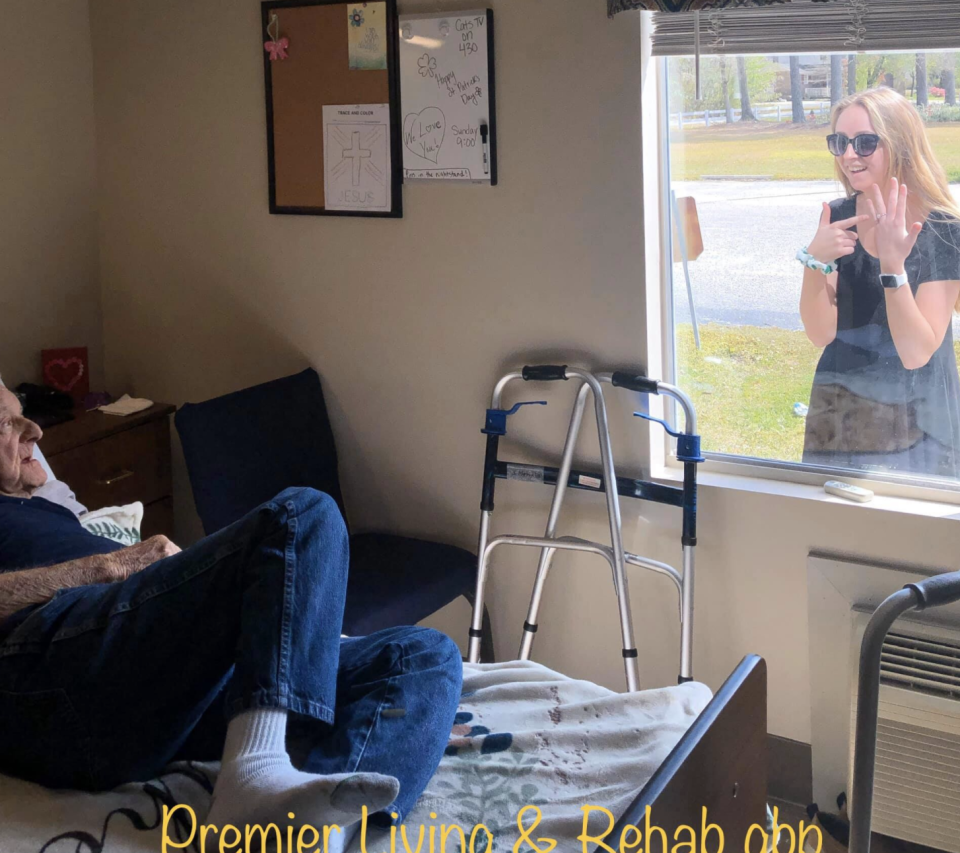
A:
[(616, 536), (476, 623), (487, 648), (547, 554), (686, 616), (530, 625), (631, 665)]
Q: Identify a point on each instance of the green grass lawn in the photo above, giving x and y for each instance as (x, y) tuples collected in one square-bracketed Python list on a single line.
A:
[(783, 152), (744, 382)]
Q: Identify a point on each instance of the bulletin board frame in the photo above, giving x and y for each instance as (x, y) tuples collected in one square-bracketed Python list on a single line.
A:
[(277, 192)]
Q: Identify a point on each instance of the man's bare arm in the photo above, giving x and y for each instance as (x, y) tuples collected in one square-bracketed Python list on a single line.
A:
[(37, 586)]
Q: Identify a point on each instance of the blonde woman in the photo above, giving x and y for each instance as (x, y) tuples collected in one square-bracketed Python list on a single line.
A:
[(879, 292)]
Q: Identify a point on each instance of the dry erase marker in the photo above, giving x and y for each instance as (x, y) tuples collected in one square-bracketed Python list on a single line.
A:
[(484, 136)]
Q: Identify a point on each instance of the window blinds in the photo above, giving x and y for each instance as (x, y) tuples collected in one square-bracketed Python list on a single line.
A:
[(614, 7), (813, 26)]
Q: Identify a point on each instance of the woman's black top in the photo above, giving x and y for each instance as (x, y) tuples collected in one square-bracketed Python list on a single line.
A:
[(862, 368)]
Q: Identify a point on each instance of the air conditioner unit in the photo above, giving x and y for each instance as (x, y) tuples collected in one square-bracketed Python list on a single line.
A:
[(917, 786)]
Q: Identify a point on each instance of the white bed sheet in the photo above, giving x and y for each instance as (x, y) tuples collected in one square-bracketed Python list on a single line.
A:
[(524, 735)]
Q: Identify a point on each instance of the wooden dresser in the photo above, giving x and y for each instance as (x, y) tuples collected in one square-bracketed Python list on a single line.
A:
[(111, 461)]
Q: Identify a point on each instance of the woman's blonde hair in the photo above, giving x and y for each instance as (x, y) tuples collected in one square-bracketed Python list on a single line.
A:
[(910, 157)]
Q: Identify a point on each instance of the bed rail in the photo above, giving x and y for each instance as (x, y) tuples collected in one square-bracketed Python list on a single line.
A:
[(720, 763)]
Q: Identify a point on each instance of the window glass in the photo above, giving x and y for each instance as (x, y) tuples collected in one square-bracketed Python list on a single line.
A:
[(842, 366)]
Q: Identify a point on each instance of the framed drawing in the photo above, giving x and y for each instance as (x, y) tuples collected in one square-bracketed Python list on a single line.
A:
[(332, 78)]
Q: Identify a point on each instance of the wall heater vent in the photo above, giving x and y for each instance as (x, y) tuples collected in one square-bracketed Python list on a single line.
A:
[(930, 666), (917, 788)]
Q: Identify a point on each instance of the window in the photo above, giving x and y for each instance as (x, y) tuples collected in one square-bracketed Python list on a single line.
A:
[(746, 174)]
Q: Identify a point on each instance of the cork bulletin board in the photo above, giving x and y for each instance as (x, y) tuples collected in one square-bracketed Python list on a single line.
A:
[(333, 107)]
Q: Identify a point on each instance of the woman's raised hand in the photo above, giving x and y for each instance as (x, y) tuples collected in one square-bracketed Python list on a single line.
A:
[(834, 239), (895, 239)]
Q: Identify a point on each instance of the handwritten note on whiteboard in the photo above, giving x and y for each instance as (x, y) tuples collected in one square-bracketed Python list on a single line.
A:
[(447, 96)]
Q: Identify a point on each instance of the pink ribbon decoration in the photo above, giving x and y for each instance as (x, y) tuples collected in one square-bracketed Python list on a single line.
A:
[(277, 48)]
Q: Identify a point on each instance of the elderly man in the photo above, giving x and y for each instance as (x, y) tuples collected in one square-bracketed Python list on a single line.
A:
[(115, 661)]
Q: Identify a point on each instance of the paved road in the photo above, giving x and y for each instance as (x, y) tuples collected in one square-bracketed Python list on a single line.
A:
[(747, 274)]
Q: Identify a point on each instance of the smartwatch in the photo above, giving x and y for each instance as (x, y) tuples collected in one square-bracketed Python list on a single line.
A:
[(893, 282)]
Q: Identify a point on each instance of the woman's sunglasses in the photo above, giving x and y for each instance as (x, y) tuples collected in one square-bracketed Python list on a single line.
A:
[(864, 144)]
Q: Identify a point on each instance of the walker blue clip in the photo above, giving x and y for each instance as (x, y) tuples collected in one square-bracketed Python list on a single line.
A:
[(497, 418), (688, 446)]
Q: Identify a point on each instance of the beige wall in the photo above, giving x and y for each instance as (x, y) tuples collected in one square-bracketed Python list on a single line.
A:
[(409, 322), (49, 289)]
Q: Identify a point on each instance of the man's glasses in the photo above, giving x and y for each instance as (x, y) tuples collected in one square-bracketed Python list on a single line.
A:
[(864, 144)]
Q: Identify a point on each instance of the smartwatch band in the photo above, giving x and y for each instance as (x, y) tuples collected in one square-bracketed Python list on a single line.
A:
[(894, 282)]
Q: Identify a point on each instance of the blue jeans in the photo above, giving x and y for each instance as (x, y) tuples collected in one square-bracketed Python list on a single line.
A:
[(107, 684)]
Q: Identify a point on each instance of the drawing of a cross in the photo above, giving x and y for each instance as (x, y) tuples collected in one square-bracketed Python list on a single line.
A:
[(358, 155)]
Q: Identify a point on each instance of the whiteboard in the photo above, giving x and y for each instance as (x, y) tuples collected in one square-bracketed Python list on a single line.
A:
[(448, 97)]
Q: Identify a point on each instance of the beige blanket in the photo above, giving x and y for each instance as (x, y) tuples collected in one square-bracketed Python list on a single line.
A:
[(524, 736)]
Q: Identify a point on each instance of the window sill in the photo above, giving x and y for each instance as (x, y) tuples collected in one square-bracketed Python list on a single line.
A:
[(711, 479)]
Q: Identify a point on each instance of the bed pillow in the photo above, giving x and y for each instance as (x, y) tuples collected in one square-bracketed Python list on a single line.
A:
[(38, 455), (54, 490), (117, 523)]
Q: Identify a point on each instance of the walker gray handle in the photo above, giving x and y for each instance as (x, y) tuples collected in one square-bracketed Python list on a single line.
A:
[(545, 373), (635, 382), (937, 590), (931, 592), (645, 385)]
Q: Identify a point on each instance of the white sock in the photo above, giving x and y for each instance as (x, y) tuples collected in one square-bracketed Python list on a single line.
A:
[(339, 841), (258, 785)]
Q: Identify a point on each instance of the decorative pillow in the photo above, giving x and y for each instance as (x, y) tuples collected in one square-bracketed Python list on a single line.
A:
[(117, 523)]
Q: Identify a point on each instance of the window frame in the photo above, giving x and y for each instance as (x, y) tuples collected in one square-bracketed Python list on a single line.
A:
[(660, 352)]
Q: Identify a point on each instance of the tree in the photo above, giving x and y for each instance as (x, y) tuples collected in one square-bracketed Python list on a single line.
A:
[(948, 80), (895, 70), (836, 79), (869, 71), (761, 79), (682, 82), (923, 90), (852, 74), (796, 91), (746, 110), (725, 85)]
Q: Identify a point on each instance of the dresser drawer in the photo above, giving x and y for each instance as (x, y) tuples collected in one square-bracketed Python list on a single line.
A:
[(133, 465), (157, 519)]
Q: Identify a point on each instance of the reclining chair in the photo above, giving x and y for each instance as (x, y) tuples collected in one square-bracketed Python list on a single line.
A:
[(394, 580)]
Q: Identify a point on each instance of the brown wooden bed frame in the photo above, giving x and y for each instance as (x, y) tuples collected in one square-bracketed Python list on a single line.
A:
[(720, 763)]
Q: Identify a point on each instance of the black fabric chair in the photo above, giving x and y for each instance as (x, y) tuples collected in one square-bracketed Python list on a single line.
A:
[(244, 448)]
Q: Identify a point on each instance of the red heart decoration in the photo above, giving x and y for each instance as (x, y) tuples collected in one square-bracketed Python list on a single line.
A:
[(64, 373)]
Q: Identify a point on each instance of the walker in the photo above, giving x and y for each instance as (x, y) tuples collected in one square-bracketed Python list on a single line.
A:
[(936, 591), (563, 478)]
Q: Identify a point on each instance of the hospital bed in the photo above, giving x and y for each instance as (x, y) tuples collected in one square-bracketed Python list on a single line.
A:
[(524, 736)]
